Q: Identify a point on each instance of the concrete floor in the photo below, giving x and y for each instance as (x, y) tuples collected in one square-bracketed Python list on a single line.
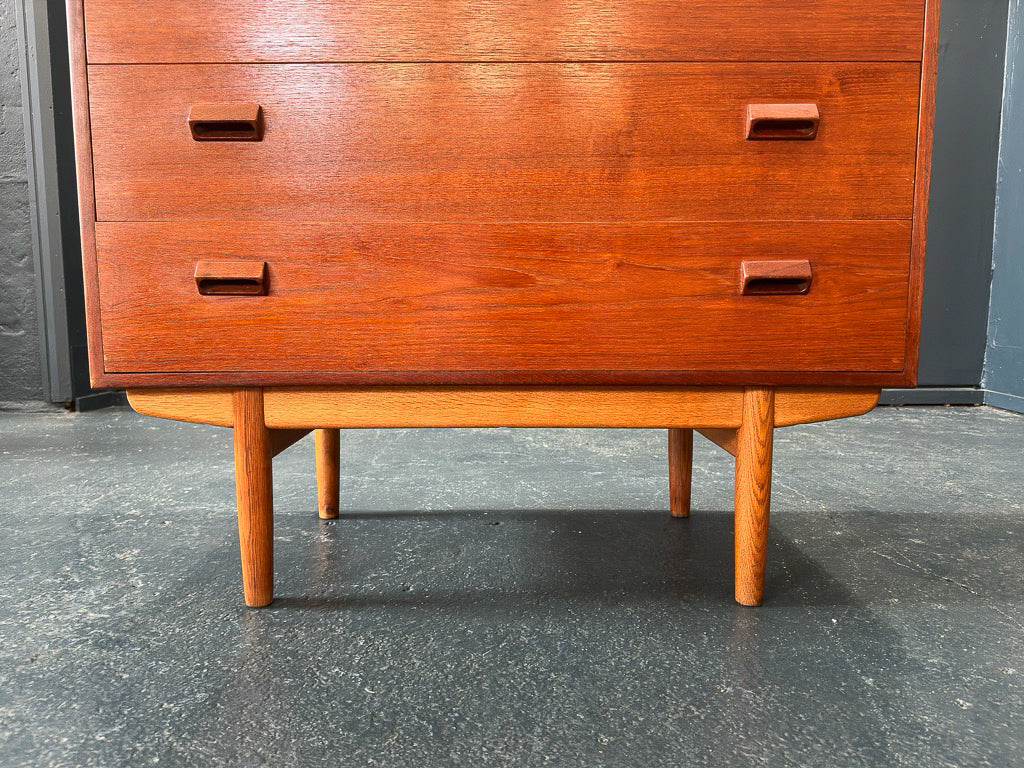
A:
[(513, 598)]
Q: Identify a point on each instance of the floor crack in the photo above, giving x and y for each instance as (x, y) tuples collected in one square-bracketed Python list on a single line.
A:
[(911, 566)]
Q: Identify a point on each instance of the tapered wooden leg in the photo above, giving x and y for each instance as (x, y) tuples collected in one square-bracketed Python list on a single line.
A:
[(254, 483), (328, 472), (680, 470), (753, 492)]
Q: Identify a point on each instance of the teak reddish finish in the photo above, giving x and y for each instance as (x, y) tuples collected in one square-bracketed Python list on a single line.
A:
[(505, 142), (680, 471), (86, 192), (384, 406), (524, 298), (254, 482), (231, 278), (753, 492), (124, 31), (226, 122), (791, 277), (778, 122), (504, 213), (328, 469), (725, 438), (283, 439)]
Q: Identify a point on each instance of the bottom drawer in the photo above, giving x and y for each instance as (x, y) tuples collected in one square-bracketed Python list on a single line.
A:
[(443, 299)]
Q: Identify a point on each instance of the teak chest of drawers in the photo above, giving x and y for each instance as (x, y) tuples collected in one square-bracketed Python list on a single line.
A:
[(308, 215)]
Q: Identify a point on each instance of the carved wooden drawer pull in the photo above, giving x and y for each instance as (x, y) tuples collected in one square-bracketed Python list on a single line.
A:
[(782, 121), (775, 278), (226, 122), (231, 278)]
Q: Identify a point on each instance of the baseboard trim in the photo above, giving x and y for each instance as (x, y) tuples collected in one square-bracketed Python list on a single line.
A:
[(933, 396), (1005, 401)]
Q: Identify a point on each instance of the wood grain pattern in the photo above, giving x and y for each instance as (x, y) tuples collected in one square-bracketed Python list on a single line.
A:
[(356, 407), (506, 142), (753, 492), (198, 24), (406, 298), (726, 439), (804, 405), (225, 122), (231, 278), (371, 407), (214, 406), (254, 483), (84, 177), (680, 471), (783, 121), (922, 197), (533, 30), (283, 439), (776, 277), (328, 472), (872, 380), (469, 198)]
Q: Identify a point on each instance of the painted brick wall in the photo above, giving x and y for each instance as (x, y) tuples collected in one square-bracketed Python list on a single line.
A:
[(20, 375)]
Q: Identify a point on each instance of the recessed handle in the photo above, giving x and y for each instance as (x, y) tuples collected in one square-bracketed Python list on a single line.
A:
[(231, 278), (775, 278), (782, 121), (226, 122)]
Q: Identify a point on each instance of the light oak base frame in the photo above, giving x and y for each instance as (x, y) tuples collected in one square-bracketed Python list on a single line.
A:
[(267, 420)]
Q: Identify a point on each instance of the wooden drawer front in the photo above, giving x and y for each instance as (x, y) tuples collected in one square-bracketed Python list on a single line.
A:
[(126, 31), (499, 142), (510, 297)]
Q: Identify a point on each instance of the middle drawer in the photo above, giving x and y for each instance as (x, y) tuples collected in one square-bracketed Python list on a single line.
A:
[(505, 142)]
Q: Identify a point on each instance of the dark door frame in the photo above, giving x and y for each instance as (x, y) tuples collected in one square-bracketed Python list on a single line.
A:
[(53, 199)]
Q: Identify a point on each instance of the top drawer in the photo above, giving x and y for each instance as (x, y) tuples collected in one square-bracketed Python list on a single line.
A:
[(179, 31)]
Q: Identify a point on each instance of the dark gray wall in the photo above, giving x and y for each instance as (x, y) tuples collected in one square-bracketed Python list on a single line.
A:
[(20, 374), (1004, 360), (955, 310)]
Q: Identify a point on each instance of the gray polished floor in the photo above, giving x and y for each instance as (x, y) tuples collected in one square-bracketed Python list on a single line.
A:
[(517, 598)]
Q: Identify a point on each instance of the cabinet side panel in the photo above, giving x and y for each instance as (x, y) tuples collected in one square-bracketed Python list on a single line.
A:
[(86, 190), (926, 131)]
